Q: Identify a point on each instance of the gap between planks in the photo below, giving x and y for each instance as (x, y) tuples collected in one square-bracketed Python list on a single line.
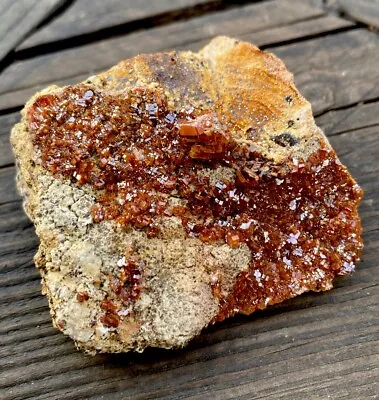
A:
[(24, 78), (183, 375), (252, 17), (103, 22)]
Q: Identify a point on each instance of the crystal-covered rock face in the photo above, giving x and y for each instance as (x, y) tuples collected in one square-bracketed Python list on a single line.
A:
[(298, 218)]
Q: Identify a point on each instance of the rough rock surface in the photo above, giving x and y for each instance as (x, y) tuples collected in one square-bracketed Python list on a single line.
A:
[(177, 189)]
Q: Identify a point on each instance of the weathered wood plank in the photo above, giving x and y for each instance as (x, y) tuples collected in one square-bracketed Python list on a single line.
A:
[(25, 312), (360, 116), (18, 18), (299, 30), (366, 11), (318, 344), (23, 78), (6, 123), (335, 70), (8, 192), (330, 71), (88, 16), (18, 276), (261, 38), (12, 217), (360, 152), (18, 98), (39, 330), (314, 346), (20, 242), (295, 31), (239, 357), (156, 375)]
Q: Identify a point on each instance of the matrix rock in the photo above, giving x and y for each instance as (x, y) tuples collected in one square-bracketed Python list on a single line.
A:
[(178, 189)]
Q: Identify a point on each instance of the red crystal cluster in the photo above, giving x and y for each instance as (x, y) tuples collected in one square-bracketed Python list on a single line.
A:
[(299, 218)]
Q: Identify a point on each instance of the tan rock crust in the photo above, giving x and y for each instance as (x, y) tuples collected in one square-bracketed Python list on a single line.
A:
[(179, 281)]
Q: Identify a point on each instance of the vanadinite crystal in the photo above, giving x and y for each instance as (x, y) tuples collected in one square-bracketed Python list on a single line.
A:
[(298, 218)]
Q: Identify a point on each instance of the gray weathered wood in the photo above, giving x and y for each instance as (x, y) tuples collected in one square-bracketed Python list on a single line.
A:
[(331, 71), (361, 153), (297, 30), (324, 344), (366, 11), (316, 346), (18, 18), (336, 70), (23, 78), (87, 16), (361, 125), (361, 116), (6, 123), (286, 354), (275, 36), (261, 38), (8, 191)]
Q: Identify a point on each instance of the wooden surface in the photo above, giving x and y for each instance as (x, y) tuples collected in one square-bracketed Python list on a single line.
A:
[(88, 16), (317, 346), (366, 11), (18, 18)]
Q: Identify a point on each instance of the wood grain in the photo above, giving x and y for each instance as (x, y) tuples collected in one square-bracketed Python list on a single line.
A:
[(331, 71), (267, 38), (316, 346), (8, 191), (18, 18), (323, 345), (87, 16), (23, 78), (366, 11), (6, 123), (296, 31), (264, 37), (360, 116), (300, 30)]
